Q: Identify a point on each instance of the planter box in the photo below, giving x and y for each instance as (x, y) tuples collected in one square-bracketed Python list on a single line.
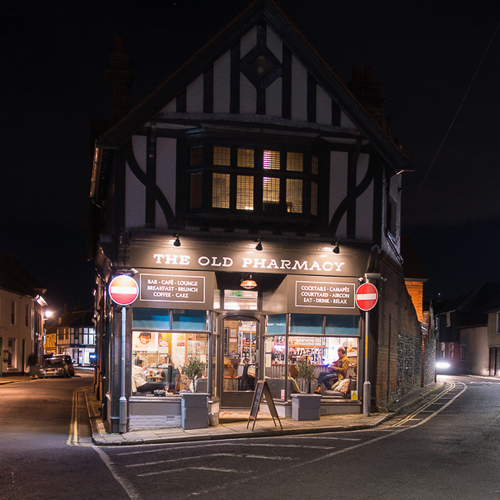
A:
[(194, 410), (306, 406), (153, 413)]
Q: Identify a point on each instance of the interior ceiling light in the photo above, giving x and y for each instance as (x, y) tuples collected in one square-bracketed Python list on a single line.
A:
[(248, 283), (337, 248), (259, 246), (177, 242)]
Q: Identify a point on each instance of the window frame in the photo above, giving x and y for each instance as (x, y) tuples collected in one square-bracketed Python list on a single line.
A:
[(250, 159)]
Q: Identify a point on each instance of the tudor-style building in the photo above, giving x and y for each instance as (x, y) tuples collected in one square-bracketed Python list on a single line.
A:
[(248, 197)]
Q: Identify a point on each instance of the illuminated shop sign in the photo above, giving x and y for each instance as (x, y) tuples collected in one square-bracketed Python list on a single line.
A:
[(324, 294), (172, 288), (291, 259)]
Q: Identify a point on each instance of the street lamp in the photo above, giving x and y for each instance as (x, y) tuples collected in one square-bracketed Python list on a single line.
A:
[(46, 315)]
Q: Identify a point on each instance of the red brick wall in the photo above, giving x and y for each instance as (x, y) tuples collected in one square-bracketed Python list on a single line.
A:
[(416, 291)]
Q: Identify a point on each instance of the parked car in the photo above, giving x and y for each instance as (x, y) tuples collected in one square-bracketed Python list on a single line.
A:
[(67, 361), (53, 368)]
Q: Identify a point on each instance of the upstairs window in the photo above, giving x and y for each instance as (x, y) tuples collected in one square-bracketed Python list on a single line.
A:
[(246, 158), (244, 192), (222, 156), (295, 162), (271, 194), (220, 190), (267, 181), (13, 311), (271, 160), (294, 196), (314, 165)]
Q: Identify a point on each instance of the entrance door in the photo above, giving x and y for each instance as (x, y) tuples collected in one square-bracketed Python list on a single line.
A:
[(240, 361), (493, 361)]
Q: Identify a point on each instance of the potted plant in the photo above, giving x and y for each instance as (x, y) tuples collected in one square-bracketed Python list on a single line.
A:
[(306, 373), (306, 406), (193, 371)]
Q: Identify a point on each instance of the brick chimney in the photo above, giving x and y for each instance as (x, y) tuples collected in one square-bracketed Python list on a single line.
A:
[(367, 91), (119, 79)]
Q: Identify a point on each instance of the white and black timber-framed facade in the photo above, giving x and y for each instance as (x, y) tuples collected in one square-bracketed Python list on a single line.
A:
[(252, 162)]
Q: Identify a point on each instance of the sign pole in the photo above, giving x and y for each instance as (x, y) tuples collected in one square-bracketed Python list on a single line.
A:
[(123, 290), (123, 400), (366, 300), (367, 388)]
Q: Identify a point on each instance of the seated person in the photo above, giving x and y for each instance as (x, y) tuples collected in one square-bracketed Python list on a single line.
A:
[(172, 377), (140, 382), (335, 372), (247, 380)]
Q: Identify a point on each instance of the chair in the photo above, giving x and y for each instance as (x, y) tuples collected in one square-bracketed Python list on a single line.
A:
[(292, 370), (231, 370)]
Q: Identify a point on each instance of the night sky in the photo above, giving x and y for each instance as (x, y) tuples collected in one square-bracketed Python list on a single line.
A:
[(438, 63)]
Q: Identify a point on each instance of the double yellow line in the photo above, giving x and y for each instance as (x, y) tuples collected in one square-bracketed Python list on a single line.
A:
[(73, 437), (425, 406)]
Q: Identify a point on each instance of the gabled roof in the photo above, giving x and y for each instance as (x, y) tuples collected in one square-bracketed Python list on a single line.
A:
[(267, 11), (14, 278), (73, 319), (474, 306)]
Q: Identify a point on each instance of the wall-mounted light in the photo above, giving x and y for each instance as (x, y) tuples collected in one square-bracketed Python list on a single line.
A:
[(259, 246), (248, 283), (177, 242), (337, 248)]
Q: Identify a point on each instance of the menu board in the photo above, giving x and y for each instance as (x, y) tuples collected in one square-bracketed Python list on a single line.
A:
[(172, 288), (324, 294), (262, 389)]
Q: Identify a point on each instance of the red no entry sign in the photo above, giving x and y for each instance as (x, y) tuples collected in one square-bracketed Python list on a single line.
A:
[(123, 290), (366, 297)]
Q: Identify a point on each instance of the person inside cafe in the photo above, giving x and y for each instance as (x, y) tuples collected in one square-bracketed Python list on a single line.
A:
[(171, 375), (336, 371), (140, 382)]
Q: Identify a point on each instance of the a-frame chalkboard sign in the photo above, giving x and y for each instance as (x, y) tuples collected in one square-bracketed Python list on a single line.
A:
[(262, 389)]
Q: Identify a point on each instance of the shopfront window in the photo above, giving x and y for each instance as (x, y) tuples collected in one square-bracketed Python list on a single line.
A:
[(165, 340), (163, 354), (281, 359), (311, 338)]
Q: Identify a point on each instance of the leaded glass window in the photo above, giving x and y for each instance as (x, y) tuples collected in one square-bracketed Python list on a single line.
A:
[(271, 194), (294, 196), (222, 156), (244, 193), (220, 190), (271, 160), (246, 158), (295, 162), (314, 165)]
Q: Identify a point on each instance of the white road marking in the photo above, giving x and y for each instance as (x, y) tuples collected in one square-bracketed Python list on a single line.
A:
[(212, 469), (124, 483), (324, 437), (236, 482), (232, 455), (284, 446)]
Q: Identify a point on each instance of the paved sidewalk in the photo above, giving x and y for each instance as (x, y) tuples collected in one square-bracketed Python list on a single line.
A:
[(234, 424), (12, 378)]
